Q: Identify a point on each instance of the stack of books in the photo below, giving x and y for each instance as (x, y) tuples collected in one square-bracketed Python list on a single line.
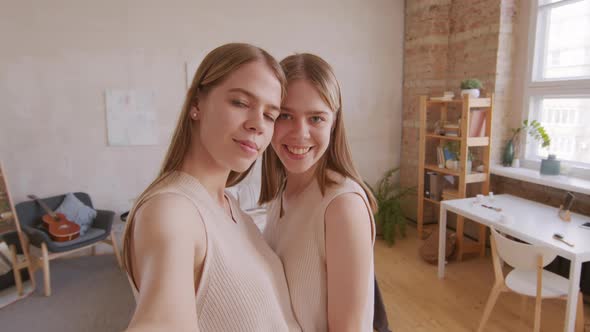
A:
[(452, 129), (447, 96)]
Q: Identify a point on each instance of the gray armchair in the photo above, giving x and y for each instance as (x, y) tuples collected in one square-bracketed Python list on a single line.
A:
[(29, 215)]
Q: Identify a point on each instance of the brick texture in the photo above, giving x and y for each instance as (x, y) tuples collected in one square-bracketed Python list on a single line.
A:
[(447, 41)]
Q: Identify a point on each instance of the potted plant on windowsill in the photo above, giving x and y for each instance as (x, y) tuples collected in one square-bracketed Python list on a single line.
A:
[(389, 219), (512, 150), (471, 87)]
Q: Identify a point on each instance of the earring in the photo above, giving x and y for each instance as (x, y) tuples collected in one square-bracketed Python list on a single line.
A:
[(194, 115)]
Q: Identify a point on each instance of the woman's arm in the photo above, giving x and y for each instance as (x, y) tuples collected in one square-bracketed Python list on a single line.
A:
[(169, 237), (349, 257)]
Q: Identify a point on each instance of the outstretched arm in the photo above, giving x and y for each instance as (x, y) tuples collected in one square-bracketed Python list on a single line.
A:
[(169, 237)]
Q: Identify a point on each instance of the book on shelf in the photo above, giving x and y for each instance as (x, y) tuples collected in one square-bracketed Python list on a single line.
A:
[(444, 98), (427, 184), (432, 185), (477, 123), (447, 96), (452, 129), (435, 185), (440, 158), (448, 154)]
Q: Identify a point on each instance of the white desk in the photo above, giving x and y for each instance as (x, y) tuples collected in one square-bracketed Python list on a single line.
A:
[(534, 223)]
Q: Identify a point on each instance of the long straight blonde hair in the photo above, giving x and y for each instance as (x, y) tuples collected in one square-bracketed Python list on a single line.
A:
[(337, 157), (213, 70)]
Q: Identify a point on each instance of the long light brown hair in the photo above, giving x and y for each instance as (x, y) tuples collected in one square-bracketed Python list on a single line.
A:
[(213, 70), (337, 157)]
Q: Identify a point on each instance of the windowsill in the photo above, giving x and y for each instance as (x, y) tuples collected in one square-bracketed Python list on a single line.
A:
[(556, 181)]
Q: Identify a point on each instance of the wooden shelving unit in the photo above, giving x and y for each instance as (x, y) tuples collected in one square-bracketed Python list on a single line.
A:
[(9, 223), (463, 177)]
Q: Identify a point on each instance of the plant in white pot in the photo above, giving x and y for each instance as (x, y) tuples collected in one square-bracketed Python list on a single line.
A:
[(471, 87), (455, 149)]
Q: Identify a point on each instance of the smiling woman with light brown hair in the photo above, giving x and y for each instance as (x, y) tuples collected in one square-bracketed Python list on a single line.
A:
[(320, 219), (197, 261)]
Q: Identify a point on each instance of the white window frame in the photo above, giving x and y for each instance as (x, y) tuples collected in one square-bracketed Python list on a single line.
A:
[(569, 88)]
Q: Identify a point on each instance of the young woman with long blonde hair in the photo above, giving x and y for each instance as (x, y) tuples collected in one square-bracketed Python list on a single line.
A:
[(320, 219), (197, 261)]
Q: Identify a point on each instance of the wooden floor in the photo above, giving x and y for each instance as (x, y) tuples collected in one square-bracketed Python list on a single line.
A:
[(416, 300)]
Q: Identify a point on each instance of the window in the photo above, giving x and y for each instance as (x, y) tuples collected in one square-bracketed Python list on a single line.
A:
[(557, 90), (566, 121), (562, 49)]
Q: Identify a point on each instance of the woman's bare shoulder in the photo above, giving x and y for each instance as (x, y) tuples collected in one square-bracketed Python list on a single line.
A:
[(167, 215)]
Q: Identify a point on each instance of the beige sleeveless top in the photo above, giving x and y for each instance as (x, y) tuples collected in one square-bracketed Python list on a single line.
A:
[(299, 240), (243, 286)]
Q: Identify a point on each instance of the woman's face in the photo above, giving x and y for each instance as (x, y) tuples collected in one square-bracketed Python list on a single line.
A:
[(302, 131), (236, 118)]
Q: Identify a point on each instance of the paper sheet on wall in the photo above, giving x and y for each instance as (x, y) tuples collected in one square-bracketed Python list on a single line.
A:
[(131, 118)]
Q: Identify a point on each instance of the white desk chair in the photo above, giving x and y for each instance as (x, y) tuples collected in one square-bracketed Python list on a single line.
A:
[(528, 277)]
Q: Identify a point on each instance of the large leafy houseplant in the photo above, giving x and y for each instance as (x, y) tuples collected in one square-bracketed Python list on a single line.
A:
[(389, 217)]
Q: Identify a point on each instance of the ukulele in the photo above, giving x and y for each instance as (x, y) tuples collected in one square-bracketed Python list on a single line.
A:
[(60, 228)]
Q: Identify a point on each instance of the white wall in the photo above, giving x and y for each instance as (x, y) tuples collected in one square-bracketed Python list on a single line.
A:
[(58, 57), (521, 62)]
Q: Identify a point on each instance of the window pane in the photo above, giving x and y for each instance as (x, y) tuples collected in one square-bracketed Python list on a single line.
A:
[(546, 2), (564, 41), (567, 122)]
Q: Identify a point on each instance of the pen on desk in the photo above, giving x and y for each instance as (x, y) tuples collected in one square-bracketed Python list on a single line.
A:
[(559, 237), (491, 207)]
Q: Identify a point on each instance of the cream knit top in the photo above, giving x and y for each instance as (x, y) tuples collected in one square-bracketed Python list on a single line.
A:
[(242, 287), (299, 240)]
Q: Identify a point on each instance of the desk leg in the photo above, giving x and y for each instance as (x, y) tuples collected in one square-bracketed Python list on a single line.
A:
[(482, 240), (460, 242), (572, 298), (442, 237)]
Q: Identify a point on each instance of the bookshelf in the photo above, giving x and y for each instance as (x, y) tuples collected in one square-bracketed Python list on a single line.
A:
[(434, 177), (8, 224)]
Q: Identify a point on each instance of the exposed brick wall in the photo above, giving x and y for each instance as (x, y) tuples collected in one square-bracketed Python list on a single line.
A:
[(427, 28), (447, 41)]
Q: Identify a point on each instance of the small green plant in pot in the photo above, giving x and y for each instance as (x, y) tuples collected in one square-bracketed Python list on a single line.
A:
[(389, 217), (471, 87), (455, 149)]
